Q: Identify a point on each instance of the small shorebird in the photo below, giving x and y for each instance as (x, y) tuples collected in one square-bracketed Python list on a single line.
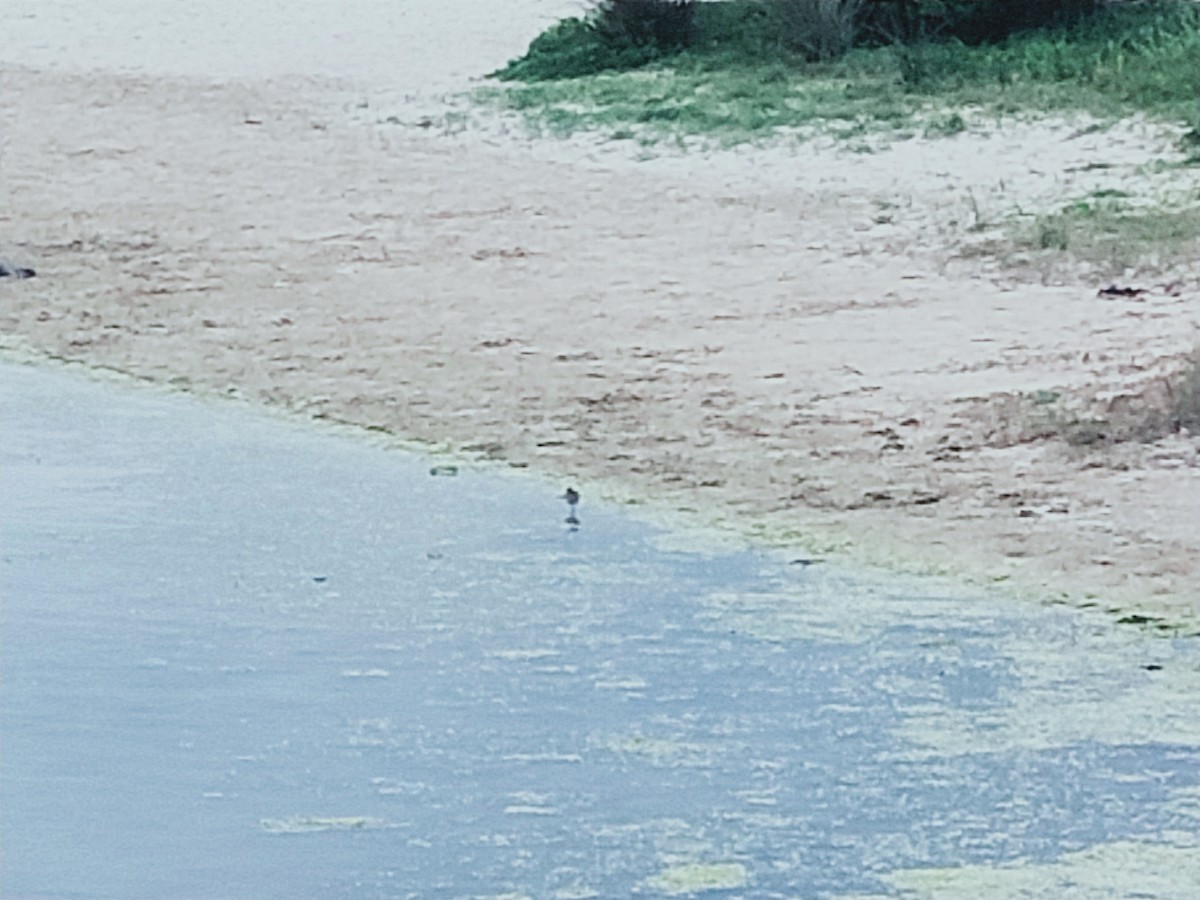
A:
[(572, 498), (8, 270)]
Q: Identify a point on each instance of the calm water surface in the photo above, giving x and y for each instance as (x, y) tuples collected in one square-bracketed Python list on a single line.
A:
[(243, 659)]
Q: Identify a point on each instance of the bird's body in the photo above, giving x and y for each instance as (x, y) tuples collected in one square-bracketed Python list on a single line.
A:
[(8, 270)]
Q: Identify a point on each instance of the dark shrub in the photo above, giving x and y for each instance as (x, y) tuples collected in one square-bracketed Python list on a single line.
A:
[(664, 25), (615, 35), (572, 48), (819, 30), (969, 21)]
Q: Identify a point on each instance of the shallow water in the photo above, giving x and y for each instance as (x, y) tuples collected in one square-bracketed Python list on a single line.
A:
[(243, 659)]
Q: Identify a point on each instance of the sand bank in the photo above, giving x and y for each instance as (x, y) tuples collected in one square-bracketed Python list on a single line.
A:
[(769, 355)]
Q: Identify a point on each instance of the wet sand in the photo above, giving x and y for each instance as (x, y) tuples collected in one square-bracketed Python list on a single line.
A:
[(724, 338)]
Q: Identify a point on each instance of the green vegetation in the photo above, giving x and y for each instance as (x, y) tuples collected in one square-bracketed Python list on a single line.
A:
[(1109, 232), (1183, 392), (748, 70), (741, 70), (1159, 408)]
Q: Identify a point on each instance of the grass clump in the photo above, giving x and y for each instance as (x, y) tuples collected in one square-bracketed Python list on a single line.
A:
[(748, 68), (1140, 57), (1157, 409), (1185, 397), (1113, 236)]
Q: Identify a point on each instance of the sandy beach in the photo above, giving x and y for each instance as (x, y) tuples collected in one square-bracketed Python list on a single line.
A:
[(735, 339)]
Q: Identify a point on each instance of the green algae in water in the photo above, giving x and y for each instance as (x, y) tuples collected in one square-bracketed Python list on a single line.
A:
[(366, 673), (1090, 683), (1186, 802), (665, 752), (1105, 872), (527, 803), (314, 824), (1096, 692), (694, 878), (576, 893)]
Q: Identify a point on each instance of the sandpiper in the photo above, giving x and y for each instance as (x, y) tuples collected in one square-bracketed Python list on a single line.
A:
[(8, 270), (572, 498)]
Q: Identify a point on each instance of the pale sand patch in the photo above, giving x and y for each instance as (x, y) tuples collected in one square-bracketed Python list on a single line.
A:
[(774, 361), (411, 45)]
